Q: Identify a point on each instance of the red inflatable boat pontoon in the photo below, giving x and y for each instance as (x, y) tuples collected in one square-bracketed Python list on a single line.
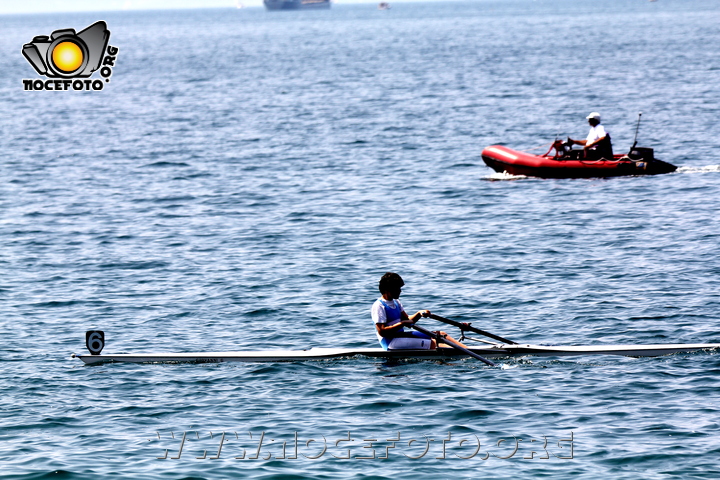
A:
[(566, 164)]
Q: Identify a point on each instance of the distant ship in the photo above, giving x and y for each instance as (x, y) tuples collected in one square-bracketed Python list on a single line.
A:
[(295, 4), (383, 6)]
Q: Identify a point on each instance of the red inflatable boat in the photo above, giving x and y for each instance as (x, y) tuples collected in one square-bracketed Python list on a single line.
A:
[(567, 163)]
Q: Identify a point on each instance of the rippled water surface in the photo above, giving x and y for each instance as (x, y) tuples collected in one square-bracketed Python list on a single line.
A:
[(245, 178)]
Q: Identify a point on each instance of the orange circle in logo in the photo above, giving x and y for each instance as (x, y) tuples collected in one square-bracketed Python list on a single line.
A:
[(67, 56)]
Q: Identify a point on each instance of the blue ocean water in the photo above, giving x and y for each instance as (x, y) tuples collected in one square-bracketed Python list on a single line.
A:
[(246, 177)]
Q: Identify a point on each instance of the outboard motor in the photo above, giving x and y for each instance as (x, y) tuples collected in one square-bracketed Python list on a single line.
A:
[(640, 153)]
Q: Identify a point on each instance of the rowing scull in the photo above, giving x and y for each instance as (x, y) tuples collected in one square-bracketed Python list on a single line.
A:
[(493, 351)]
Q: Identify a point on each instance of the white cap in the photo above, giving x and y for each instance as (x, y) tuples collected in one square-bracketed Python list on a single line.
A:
[(594, 115)]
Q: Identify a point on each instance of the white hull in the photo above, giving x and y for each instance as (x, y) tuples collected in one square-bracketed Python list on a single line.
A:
[(441, 353)]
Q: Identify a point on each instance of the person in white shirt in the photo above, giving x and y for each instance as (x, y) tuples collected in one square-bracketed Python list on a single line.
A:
[(597, 145)]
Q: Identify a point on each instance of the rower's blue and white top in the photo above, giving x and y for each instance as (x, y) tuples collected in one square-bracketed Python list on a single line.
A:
[(387, 312), (390, 313)]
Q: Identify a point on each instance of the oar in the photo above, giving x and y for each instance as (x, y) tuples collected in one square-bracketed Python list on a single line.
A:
[(463, 326), (453, 344)]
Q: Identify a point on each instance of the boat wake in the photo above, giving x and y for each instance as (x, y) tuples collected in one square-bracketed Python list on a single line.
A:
[(707, 169), (504, 176)]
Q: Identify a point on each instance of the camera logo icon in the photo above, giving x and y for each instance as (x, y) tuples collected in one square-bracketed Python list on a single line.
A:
[(67, 54), (67, 58)]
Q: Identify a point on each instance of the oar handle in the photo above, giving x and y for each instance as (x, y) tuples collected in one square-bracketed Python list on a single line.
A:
[(455, 345), (467, 327)]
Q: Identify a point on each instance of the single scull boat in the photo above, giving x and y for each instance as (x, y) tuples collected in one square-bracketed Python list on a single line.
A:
[(95, 341), (438, 354)]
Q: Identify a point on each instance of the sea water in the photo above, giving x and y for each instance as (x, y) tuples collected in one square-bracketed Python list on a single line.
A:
[(245, 178)]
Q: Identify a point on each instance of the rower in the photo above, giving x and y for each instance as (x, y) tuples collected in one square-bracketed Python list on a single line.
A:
[(390, 317)]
